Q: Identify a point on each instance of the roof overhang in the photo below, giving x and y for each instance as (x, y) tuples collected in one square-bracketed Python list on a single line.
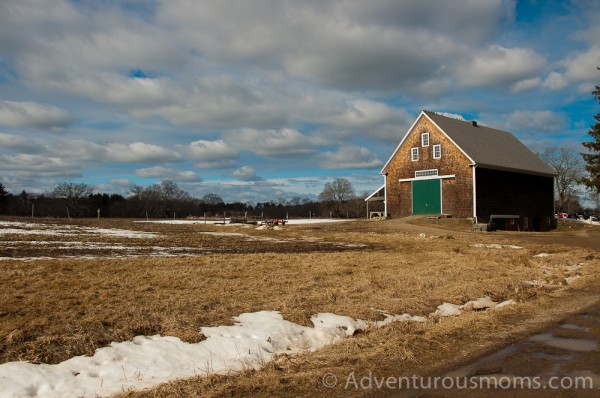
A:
[(511, 170), (370, 197)]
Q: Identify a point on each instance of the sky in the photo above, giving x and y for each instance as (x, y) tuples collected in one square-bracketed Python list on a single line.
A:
[(257, 100)]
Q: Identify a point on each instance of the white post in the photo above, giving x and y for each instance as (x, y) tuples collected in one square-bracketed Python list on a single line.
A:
[(68, 215), (204, 217), (98, 215), (385, 209)]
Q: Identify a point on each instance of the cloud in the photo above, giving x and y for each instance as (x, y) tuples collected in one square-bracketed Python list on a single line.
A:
[(535, 122), (527, 84), (168, 174), (122, 182), (246, 173), (275, 143), (499, 66), (140, 152), (33, 115), (452, 115), (382, 45), (211, 154), (350, 157), (35, 166), (555, 81), (20, 144), (583, 65)]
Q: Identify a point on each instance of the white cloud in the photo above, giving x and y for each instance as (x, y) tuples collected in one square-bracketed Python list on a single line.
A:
[(21, 144), (527, 84), (77, 150), (211, 154), (29, 114), (168, 174), (452, 115), (35, 166), (536, 122), (583, 66), (122, 182), (246, 173), (350, 157), (274, 143), (554, 81), (140, 152), (499, 66)]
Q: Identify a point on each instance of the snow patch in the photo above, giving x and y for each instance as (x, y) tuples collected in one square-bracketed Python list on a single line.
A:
[(20, 228), (495, 246), (150, 360)]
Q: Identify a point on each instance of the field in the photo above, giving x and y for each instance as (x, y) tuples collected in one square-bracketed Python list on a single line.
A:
[(70, 287)]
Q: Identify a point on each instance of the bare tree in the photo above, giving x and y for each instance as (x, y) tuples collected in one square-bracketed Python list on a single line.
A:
[(212, 199), (75, 196), (160, 199), (569, 169), (337, 193)]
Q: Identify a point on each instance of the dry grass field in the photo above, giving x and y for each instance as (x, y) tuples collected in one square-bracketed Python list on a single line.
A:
[(67, 294)]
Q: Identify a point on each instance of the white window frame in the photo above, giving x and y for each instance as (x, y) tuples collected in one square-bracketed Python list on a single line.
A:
[(426, 173), (424, 137), (414, 154), (437, 148)]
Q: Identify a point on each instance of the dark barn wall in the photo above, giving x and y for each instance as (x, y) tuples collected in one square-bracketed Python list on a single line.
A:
[(502, 192)]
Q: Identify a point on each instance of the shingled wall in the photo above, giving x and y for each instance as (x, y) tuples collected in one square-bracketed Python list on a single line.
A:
[(457, 192)]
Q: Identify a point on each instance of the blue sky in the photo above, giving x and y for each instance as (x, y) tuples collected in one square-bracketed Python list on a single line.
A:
[(260, 100)]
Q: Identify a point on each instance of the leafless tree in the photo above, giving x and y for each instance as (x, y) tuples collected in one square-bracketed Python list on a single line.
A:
[(569, 167), (337, 193), (75, 195)]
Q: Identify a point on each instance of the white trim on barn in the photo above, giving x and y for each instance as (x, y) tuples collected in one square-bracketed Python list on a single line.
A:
[(375, 193), (427, 178)]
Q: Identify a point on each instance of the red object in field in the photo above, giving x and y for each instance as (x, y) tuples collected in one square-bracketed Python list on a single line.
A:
[(276, 221)]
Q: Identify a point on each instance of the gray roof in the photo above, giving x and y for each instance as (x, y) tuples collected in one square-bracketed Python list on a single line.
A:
[(491, 148)]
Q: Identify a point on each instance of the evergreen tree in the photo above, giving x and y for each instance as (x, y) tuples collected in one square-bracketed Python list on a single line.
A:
[(592, 158), (4, 195)]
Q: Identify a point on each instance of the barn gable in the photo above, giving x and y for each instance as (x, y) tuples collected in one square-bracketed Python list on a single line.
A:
[(440, 162)]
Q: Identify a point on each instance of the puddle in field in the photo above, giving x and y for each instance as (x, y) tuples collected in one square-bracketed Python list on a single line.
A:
[(564, 343), (568, 351)]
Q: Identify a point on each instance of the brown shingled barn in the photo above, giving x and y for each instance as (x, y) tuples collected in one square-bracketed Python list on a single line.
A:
[(462, 169)]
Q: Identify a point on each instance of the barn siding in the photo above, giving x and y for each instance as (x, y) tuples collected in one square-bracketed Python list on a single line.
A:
[(502, 192), (457, 193)]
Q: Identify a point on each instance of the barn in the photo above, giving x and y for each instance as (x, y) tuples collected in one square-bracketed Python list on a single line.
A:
[(446, 166)]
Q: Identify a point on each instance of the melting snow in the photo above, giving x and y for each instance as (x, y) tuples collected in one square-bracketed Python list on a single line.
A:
[(149, 360), (496, 246), (67, 230)]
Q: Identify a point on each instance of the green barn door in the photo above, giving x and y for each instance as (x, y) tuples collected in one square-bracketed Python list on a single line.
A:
[(426, 196)]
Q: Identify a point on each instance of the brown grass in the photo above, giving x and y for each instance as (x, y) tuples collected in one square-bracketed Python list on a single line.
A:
[(51, 310)]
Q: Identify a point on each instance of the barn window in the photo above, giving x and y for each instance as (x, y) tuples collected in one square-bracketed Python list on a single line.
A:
[(437, 151), (414, 154), (426, 173), (425, 139)]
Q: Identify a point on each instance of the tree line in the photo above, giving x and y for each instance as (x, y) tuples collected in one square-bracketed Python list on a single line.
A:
[(575, 170), (338, 198), (167, 200)]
